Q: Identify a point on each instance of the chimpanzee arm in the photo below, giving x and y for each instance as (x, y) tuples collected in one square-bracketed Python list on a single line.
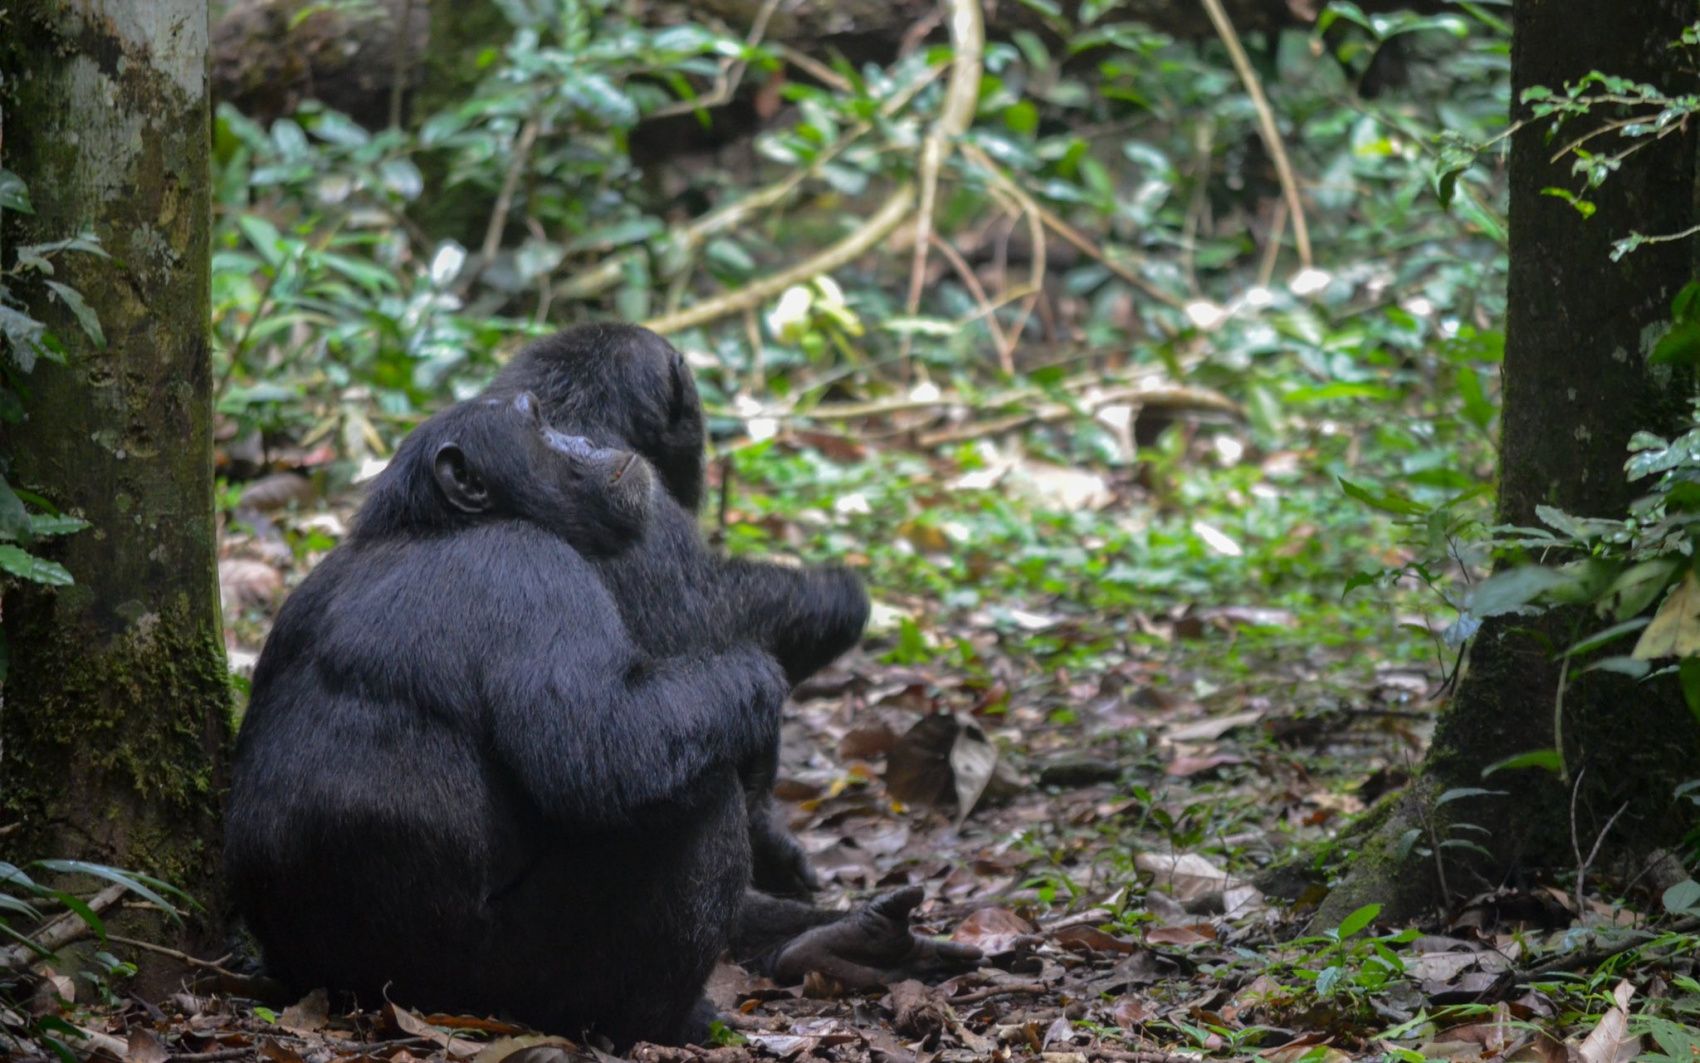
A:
[(596, 732), (805, 616)]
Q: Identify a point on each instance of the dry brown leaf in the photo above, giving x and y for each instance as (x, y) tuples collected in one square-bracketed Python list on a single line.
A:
[(271, 493), (145, 1047), (1610, 1041), (278, 1052), (943, 755), (1211, 729), (1180, 935), (1187, 875), (1675, 630), (308, 1014), (415, 1026), (533, 1048), (244, 583), (1090, 938), (994, 931)]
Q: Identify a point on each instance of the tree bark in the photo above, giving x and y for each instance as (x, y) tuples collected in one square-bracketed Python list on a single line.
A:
[(116, 717), (1576, 386)]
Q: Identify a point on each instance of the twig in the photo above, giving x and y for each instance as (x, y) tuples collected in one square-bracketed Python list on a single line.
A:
[(878, 226), (1272, 250), (956, 114), (182, 957), (965, 272), (1599, 840), (1165, 398), (398, 77), (1266, 123), (731, 73), (993, 992), (1584, 959), (813, 67), (607, 273), (852, 411), (59, 931), (504, 200), (1069, 233)]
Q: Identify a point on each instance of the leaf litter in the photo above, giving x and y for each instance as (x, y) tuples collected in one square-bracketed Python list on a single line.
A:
[(1117, 834)]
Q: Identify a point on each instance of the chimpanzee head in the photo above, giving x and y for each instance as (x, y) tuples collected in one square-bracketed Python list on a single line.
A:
[(620, 386), (496, 459)]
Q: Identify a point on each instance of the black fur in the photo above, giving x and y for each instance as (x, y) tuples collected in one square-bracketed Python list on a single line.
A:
[(461, 784), (624, 386)]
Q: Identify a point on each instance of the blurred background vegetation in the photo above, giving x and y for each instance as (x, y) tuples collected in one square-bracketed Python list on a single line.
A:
[(1116, 392)]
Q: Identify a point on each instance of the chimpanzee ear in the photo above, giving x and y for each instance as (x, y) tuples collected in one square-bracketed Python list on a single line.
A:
[(683, 387), (460, 485)]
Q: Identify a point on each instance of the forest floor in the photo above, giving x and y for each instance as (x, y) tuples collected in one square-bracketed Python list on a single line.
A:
[(1132, 815)]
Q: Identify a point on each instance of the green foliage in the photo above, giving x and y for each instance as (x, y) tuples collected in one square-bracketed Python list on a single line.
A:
[(25, 516), (19, 895)]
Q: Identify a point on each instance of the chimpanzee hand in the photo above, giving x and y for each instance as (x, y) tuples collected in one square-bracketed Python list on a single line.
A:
[(779, 865), (871, 946), (820, 613)]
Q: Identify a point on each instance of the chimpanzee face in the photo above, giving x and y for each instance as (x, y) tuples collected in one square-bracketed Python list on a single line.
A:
[(498, 458)]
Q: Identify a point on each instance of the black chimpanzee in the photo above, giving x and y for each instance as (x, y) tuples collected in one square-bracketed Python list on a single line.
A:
[(460, 780), (461, 784), (624, 386)]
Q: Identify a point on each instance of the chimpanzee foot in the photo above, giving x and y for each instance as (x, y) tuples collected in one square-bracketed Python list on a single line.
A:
[(871, 946)]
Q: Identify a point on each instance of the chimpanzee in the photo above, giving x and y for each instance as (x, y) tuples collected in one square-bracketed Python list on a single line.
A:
[(462, 785), (624, 386)]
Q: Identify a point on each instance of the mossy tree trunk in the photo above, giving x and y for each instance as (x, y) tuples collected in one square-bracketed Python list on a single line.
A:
[(1577, 384), (116, 715)]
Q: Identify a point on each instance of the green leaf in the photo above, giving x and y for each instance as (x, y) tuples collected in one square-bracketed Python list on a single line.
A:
[(1688, 673), (264, 236), (1358, 920), (27, 566), (43, 525), (1682, 898), (14, 194), (82, 911), (1388, 501), (85, 316), (1679, 346), (1460, 792), (1515, 588), (1545, 759), (1361, 579), (14, 519), (143, 886)]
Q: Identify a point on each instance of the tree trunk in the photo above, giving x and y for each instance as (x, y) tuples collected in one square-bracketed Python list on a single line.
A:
[(116, 717), (1577, 385)]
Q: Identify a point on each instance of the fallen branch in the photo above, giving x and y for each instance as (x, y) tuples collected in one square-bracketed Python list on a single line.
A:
[(1179, 397), (956, 114), (1031, 989), (1265, 123), (58, 932), (879, 226)]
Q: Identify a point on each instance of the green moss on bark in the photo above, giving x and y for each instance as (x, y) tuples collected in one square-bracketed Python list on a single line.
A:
[(115, 724)]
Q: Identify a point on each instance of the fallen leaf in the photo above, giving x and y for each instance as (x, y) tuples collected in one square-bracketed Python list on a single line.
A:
[(1213, 728), (145, 1048), (1610, 1041), (994, 931), (308, 1014), (1187, 875)]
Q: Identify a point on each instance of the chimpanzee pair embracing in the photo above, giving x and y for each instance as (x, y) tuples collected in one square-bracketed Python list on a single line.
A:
[(509, 746)]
